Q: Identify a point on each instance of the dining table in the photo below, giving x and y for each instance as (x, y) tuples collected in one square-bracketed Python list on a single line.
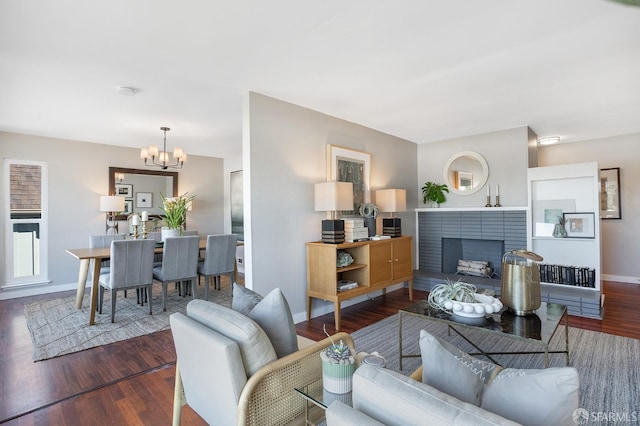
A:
[(96, 255)]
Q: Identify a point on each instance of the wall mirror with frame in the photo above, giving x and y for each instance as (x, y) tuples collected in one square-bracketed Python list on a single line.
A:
[(466, 172), (142, 189)]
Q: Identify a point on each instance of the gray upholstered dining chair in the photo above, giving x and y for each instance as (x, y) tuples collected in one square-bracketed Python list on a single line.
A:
[(219, 259), (179, 264), (131, 267), (103, 240)]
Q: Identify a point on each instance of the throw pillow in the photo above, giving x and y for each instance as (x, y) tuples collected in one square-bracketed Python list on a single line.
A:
[(533, 396), (272, 313), (542, 397), (255, 347), (452, 371)]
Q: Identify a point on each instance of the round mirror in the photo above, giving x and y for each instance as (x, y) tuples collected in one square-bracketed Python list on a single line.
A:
[(466, 172)]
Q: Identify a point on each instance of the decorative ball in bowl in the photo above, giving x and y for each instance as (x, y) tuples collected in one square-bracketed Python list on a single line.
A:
[(483, 305)]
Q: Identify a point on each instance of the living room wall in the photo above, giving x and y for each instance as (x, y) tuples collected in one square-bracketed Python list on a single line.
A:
[(284, 155), (619, 237), (78, 175)]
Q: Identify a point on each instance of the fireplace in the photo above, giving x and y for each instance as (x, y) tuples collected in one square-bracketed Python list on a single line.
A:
[(454, 249)]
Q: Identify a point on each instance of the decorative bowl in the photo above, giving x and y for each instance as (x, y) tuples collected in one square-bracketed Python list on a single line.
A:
[(484, 305)]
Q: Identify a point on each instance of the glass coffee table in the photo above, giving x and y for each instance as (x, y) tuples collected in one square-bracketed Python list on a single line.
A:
[(538, 328), (317, 400)]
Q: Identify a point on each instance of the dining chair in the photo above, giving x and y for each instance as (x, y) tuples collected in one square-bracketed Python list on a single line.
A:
[(179, 265), (219, 259), (131, 267), (100, 241)]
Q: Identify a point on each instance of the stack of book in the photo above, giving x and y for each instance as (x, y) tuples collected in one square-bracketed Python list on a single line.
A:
[(354, 230), (346, 285)]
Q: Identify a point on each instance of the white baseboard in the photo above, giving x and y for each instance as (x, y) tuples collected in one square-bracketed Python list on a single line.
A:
[(621, 279), (327, 307), (34, 290)]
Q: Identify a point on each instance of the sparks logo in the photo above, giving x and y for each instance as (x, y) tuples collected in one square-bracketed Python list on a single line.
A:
[(581, 416)]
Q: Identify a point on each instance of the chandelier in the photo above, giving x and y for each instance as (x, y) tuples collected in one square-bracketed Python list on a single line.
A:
[(152, 157)]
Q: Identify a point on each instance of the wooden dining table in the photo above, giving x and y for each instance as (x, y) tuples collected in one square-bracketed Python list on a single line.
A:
[(97, 255)]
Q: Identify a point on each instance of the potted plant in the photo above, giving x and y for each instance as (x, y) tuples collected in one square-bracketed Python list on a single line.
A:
[(434, 193), (338, 366), (369, 212), (175, 213)]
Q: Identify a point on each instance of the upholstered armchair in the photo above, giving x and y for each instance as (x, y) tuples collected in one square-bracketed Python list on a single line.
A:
[(227, 372)]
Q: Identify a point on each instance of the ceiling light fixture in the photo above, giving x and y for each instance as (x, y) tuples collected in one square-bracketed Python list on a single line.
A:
[(152, 157), (549, 140)]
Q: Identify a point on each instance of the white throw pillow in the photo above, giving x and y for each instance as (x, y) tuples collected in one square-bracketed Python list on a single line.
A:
[(272, 313)]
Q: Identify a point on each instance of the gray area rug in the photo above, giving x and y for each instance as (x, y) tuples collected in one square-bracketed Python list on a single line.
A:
[(608, 365), (58, 328)]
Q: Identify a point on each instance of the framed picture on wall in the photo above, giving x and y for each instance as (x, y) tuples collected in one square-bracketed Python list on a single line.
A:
[(124, 190), (347, 165), (144, 199), (128, 207), (610, 193)]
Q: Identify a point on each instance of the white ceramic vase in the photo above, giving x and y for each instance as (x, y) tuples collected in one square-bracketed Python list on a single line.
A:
[(168, 233)]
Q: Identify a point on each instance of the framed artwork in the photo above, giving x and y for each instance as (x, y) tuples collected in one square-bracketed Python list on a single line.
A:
[(144, 199), (124, 190), (128, 207), (610, 193), (580, 225), (547, 213), (347, 165)]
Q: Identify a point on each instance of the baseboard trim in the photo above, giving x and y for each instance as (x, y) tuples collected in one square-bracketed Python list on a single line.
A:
[(34, 290), (621, 279)]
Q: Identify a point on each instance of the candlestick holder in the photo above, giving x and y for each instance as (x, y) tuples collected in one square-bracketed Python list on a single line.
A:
[(145, 231), (497, 204), (488, 201), (135, 231)]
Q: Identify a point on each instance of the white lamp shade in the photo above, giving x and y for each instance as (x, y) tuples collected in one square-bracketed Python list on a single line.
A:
[(334, 196), (111, 203), (391, 200)]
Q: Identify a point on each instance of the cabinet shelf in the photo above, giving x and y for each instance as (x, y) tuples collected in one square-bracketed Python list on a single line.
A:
[(351, 267), (586, 240)]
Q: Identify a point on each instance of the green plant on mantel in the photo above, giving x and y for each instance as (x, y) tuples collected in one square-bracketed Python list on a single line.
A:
[(434, 193)]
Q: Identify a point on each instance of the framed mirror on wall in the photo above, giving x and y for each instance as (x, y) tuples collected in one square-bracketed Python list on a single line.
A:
[(610, 207), (466, 172), (142, 188)]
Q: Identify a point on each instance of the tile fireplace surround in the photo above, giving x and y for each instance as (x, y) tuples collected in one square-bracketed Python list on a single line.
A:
[(488, 230)]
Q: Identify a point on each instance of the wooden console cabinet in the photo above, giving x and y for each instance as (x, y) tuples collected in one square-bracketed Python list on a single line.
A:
[(376, 266)]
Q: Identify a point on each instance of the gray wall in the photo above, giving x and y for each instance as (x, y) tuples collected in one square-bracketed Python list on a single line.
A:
[(506, 153), (284, 152), (620, 249), (78, 175)]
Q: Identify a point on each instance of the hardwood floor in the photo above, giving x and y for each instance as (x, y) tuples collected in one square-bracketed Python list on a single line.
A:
[(131, 382)]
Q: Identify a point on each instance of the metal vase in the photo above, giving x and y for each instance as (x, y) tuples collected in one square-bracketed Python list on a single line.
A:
[(521, 282)]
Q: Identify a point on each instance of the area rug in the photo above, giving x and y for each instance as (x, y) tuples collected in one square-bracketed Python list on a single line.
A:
[(608, 365), (58, 328)]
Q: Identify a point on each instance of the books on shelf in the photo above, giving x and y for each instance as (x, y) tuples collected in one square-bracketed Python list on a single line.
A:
[(580, 276), (346, 285)]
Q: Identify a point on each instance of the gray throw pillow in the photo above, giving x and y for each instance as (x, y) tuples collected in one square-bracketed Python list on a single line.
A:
[(272, 313), (530, 397), (452, 371)]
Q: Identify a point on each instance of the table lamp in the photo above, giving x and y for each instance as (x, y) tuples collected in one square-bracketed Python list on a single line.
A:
[(332, 197), (111, 205), (391, 201)]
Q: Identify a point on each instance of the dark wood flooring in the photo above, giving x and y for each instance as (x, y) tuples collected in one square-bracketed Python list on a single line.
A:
[(131, 382)]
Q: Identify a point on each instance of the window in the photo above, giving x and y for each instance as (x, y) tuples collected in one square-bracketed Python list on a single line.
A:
[(25, 223)]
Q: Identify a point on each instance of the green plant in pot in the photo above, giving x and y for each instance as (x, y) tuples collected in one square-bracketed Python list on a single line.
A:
[(338, 366), (434, 193), (175, 211)]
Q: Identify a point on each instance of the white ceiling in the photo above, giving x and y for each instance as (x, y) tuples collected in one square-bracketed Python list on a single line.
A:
[(423, 70)]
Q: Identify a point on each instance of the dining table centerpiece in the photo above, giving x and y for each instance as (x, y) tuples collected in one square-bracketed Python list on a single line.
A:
[(175, 214)]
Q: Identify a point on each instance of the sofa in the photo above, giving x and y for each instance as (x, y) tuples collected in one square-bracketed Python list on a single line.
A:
[(454, 388)]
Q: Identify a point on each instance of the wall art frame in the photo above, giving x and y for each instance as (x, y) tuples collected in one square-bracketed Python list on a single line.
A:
[(124, 190), (546, 214), (348, 165), (610, 198), (580, 224), (128, 207), (144, 199)]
